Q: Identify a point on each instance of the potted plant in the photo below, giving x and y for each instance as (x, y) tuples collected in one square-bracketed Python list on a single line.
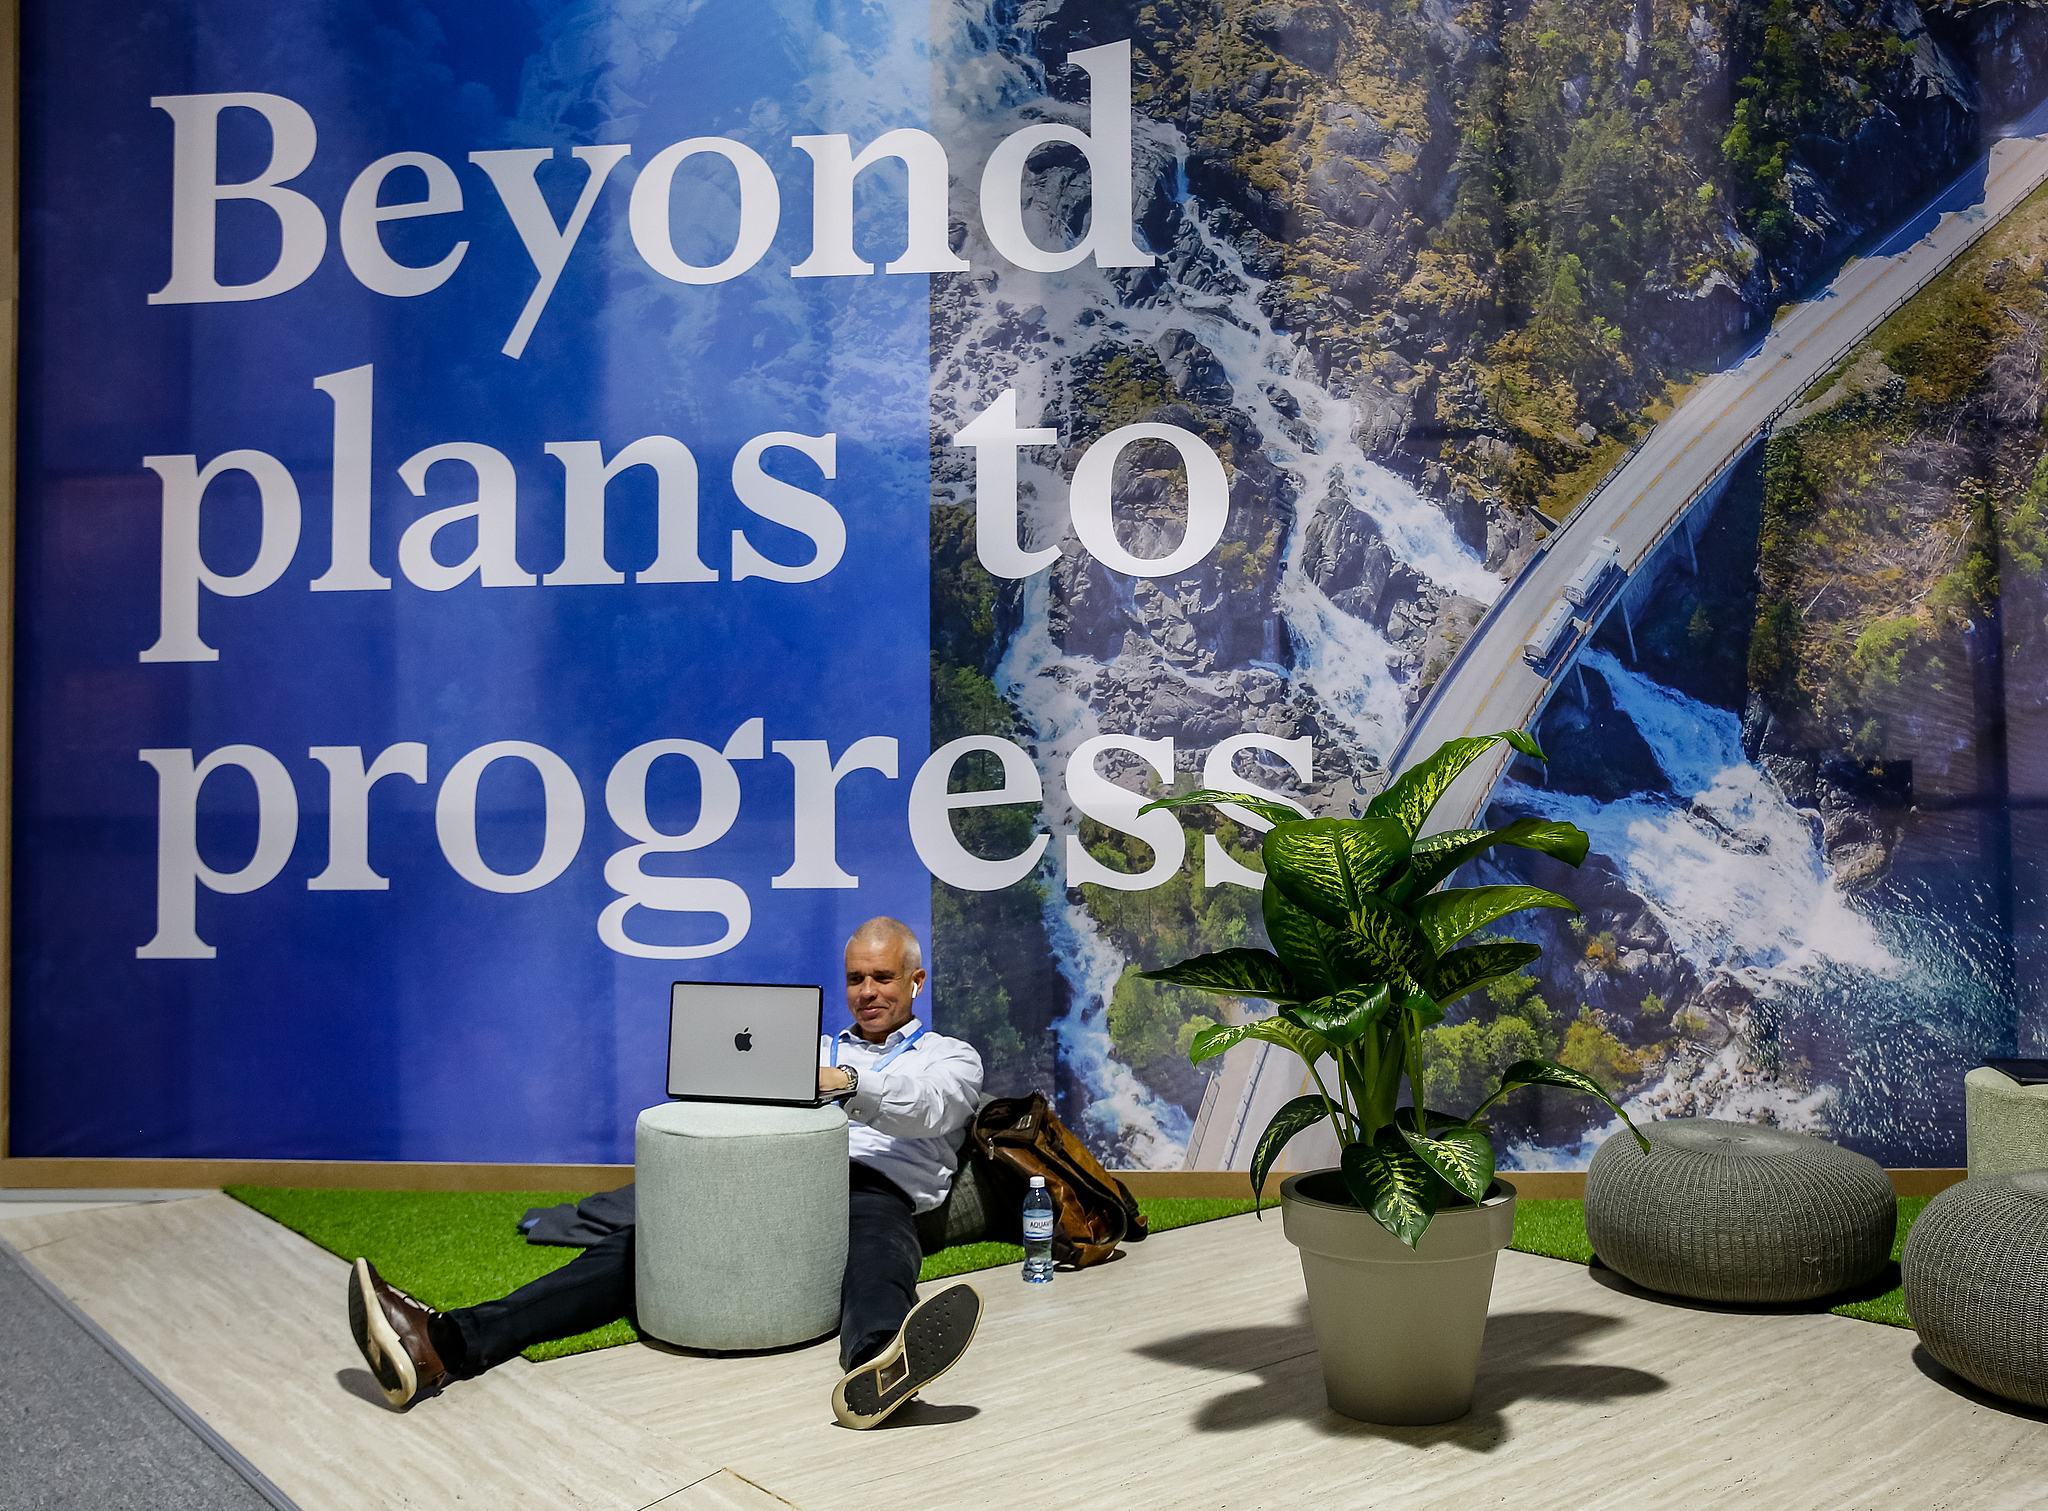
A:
[(1398, 1243)]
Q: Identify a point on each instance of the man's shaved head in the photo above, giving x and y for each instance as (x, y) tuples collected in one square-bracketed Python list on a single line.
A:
[(884, 971), (890, 931)]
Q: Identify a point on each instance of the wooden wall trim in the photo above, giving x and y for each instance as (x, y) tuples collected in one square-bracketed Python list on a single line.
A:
[(339, 1175), (1533, 1184), (1530, 1183), (377, 1175), (1929, 1182)]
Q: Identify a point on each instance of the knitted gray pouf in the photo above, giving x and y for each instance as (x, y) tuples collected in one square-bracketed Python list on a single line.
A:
[(1976, 1272), (1725, 1211), (2006, 1124), (741, 1240)]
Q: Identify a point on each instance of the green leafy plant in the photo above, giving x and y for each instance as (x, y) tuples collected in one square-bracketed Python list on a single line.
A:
[(1365, 957)]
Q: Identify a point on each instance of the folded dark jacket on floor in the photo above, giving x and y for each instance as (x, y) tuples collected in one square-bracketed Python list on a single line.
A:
[(578, 1227)]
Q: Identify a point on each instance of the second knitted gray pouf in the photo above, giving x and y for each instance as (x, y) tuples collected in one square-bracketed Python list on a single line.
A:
[(1976, 1277), (1724, 1211), (2005, 1124)]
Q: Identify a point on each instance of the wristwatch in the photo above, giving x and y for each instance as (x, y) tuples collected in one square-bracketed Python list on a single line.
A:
[(852, 1084)]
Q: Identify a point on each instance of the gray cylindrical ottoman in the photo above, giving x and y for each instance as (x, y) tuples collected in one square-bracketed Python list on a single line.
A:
[(2006, 1124), (1976, 1273), (741, 1238), (1726, 1211)]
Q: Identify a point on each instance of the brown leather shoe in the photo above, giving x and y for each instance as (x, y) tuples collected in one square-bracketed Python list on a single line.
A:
[(391, 1330)]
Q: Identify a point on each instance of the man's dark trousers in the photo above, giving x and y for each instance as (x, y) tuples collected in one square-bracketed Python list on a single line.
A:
[(596, 1287)]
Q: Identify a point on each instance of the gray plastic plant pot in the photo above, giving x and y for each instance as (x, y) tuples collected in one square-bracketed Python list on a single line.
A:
[(1399, 1329)]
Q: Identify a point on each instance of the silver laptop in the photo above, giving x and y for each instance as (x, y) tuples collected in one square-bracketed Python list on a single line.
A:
[(737, 1042)]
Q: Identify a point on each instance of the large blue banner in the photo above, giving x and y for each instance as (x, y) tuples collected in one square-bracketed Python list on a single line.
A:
[(467, 581)]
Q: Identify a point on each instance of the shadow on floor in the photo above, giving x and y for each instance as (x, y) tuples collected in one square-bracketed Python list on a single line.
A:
[(1886, 1279), (1524, 1359), (648, 1341), (361, 1384), (918, 1412), (1949, 1380)]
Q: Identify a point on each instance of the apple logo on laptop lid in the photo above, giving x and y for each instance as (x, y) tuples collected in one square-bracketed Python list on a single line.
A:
[(743, 1040)]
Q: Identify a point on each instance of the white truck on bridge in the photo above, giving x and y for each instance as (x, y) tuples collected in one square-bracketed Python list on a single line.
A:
[(1583, 586), (1550, 629)]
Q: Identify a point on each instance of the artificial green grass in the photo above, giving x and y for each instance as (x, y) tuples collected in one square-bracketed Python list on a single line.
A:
[(458, 1248), (1165, 1213), (1890, 1307), (965, 1258), (1552, 1227), (1556, 1229), (447, 1248)]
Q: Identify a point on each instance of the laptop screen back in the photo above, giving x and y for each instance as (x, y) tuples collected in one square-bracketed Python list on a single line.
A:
[(743, 1043)]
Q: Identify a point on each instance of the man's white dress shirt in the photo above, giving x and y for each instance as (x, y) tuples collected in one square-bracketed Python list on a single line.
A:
[(906, 1115)]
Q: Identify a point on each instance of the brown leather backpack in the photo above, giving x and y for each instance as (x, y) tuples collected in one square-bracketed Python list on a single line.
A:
[(1093, 1210)]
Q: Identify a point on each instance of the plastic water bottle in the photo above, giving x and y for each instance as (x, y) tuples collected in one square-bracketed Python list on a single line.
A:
[(1038, 1232)]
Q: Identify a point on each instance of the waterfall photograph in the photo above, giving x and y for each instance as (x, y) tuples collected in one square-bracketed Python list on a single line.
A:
[(1427, 288)]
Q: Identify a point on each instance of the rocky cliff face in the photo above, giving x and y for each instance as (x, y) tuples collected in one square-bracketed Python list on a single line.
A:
[(2002, 45), (1858, 808)]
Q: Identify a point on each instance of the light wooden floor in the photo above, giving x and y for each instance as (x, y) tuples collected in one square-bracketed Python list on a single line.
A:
[(1183, 1375)]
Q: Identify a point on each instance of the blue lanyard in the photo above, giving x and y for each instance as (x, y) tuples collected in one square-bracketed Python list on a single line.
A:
[(892, 1054)]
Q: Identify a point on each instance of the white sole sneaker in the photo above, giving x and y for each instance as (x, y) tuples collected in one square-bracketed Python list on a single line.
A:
[(930, 1342)]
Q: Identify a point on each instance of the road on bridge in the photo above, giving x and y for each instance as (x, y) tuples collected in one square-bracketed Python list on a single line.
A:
[(1490, 687)]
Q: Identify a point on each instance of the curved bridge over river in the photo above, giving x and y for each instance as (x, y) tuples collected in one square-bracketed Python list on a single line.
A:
[(1489, 686), (1683, 461)]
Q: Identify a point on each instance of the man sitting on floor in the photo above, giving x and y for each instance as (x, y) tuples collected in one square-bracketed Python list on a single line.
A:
[(908, 1093)]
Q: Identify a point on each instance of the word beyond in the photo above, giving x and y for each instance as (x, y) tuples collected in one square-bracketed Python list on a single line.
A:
[(197, 193), (814, 861)]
